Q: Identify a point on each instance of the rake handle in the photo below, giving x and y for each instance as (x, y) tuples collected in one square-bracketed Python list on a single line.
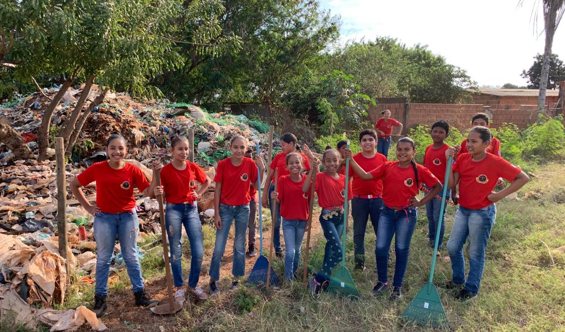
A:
[(309, 227), (273, 215), (345, 208), (259, 203)]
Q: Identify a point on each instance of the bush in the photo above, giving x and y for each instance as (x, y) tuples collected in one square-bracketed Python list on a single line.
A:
[(332, 140), (544, 140), (511, 142)]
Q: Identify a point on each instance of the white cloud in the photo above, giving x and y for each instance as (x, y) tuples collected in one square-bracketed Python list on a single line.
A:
[(493, 40)]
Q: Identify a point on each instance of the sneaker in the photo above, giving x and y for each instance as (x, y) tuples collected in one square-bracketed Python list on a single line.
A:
[(396, 293), (360, 266), (450, 285), (141, 299), (314, 286), (252, 252), (234, 285), (214, 288), (179, 296), (198, 293), (279, 254), (380, 288), (100, 305), (465, 295)]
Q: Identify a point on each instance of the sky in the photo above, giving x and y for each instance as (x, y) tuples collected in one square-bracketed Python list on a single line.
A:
[(493, 40)]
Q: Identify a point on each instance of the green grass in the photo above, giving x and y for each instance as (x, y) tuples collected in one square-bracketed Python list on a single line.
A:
[(522, 289)]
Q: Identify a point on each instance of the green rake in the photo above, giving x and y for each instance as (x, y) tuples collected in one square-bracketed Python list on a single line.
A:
[(426, 308)]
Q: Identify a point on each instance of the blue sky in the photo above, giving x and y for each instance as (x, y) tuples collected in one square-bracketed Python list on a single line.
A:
[(493, 40)]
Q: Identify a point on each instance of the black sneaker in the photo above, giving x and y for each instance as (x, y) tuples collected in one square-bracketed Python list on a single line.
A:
[(450, 285), (252, 252), (213, 288), (465, 295), (380, 288), (234, 285), (141, 299), (279, 254), (100, 305), (360, 266), (396, 293)]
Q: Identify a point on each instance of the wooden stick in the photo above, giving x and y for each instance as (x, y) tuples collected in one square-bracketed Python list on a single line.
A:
[(191, 145), (165, 244), (62, 201), (309, 229), (271, 134), (273, 215)]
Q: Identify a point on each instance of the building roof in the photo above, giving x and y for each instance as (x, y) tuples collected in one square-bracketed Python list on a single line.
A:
[(516, 92)]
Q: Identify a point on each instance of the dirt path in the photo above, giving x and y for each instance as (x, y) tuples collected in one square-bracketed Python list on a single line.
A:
[(122, 315)]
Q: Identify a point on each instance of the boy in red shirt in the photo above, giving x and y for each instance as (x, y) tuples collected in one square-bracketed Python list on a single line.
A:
[(367, 195), (482, 119), (233, 177), (435, 161), (384, 130), (476, 173)]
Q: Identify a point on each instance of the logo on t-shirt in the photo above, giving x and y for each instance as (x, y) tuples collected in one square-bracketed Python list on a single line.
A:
[(437, 162), (408, 182), (244, 177), (305, 195), (125, 185), (192, 184), (482, 179), (342, 193)]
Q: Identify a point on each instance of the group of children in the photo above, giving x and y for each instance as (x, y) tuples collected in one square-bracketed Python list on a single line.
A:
[(385, 191)]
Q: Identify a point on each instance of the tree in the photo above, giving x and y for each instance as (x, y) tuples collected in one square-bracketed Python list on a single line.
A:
[(511, 86), (556, 72)]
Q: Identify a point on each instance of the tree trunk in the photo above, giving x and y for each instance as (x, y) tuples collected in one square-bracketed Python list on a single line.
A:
[(15, 142), (69, 125), (78, 128), (550, 15), (43, 132)]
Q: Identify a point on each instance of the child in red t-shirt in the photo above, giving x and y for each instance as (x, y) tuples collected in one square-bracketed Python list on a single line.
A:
[(114, 215), (476, 173), (435, 161), (294, 207), (288, 144), (482, 119), (251, 252), (330, 187), (384, 130), (401, 183), (179, 181), (233, 177)]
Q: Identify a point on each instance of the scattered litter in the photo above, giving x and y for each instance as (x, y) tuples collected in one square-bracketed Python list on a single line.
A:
[(70, 320)]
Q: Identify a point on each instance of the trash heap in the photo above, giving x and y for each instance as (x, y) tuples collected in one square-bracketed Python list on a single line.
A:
[(30, 264)]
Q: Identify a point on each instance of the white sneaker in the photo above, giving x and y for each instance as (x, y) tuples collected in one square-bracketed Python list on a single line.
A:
[(179, 295), (199, 293)]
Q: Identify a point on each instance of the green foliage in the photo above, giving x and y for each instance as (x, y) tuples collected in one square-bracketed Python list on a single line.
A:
[(545, 140), (332, 140), (556, 72), (245, 301), (82, 147), (511, 142), (260, 126)]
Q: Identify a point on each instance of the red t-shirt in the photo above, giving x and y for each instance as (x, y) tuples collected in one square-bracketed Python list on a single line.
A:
[(400, 183), (280, 162), (179, 186), (370, 187), (493, 148), (386, 126), (477, 179), (435, 161), (331, 191), (114, 187), (294, 202), (236, 181)]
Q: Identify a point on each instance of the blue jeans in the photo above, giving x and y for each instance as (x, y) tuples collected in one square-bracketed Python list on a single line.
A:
[(401, 224), (475, 225), (228, 214), (186, 215), (362, 208), (432, 212), (293, 231), (276, 222), (383, 145), (333, 230), (126, 227)]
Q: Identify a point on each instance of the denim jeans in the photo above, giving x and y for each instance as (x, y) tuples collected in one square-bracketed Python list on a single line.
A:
[(383, 144), (333, 230), (362, 208), (126, 227), (252, 219), (475, 225), (228, 214), (277, 222), (293, 231), (432, 212), (179, 215), (401, 224)]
